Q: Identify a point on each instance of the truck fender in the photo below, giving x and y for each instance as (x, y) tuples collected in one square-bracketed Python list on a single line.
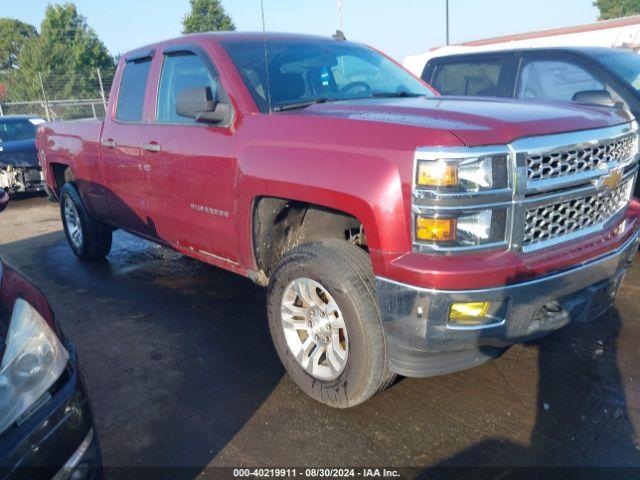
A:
[(365, 187)]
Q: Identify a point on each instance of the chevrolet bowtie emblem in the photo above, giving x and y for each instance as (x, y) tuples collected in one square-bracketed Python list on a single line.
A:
[(612, 180)]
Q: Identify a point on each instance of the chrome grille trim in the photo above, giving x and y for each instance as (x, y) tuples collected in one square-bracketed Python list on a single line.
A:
[(586, 205), (582, 141), (579, 159), (555, 220)]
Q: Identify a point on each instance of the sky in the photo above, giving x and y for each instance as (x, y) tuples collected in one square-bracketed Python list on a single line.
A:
[(397, 27)]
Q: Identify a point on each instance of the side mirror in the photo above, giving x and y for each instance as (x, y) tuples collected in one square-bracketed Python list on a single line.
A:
[(594, 97), (4, 199), (202, 105)]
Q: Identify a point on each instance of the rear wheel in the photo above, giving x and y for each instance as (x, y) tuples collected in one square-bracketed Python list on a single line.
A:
[(89, 239), (325, 325)]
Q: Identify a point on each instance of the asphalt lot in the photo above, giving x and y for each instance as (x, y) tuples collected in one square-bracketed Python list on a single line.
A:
[(183, 374)]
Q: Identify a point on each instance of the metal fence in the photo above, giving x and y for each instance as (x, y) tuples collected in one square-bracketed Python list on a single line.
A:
[(50, 106), (57, 109)]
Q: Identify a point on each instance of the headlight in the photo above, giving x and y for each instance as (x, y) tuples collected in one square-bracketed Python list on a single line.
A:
[(475, 228), (33, 360), (461, 198), (467, 174), (483, 227), (437, 173)]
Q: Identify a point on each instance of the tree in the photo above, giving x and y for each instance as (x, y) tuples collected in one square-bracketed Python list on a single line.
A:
[(617, 8), (13, 35), (207, 16), (66, 53)]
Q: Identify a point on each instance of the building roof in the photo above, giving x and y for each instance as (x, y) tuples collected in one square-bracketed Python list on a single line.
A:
[(590, 27), (588, 51)]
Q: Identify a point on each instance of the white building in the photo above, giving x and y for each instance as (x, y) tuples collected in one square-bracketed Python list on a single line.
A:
[(619, 32)]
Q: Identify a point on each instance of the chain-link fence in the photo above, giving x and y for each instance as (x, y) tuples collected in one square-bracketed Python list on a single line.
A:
[(56, 109), (59, 100)]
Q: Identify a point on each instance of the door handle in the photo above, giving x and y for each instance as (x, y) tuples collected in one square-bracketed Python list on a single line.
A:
[(110, 143), (151, 147)]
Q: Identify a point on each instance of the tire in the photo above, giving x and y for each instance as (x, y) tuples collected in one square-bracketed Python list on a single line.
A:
[(340, 272), (89, 239)]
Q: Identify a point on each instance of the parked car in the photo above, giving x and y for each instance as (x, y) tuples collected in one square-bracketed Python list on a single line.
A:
[(46, 424), (398, 232), (539, 73), (598, 75), (19, 166)]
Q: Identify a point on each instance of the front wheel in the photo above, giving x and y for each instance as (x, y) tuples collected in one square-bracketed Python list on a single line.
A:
[(325, 325), (89, 239)]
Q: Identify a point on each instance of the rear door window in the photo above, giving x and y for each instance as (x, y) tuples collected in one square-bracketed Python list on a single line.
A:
[(468, 77), (132, 89), (555, 80)]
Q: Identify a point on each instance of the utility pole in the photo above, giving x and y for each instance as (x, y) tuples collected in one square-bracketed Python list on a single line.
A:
[(447, 19), (104, 98), (44, 97)]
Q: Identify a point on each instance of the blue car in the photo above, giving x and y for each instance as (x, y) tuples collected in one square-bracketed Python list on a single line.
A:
[(19, 166)]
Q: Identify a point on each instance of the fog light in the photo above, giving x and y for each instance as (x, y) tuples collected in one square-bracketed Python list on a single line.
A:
[(437, 174), (436, 229), (469, 313)]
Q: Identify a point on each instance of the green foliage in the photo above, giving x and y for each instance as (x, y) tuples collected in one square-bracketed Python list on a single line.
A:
[(13, 35), (207, 16), (66, 53), (617, 8)]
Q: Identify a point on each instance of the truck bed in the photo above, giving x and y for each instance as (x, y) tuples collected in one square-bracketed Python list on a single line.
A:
[(75, 143)]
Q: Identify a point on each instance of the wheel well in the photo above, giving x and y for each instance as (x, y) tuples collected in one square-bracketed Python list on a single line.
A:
[(61, 174), (280, 225)]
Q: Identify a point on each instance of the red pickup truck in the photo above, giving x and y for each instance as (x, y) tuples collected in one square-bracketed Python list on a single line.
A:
[(398, 232)]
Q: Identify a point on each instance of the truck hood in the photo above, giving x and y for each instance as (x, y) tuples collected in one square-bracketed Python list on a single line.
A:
[(19, 153), (476, 121)]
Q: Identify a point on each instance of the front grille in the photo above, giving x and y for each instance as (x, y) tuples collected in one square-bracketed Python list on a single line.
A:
[(558, 219), (570, 161)]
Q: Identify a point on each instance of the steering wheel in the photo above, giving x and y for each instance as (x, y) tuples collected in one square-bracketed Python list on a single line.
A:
[(352, 85)]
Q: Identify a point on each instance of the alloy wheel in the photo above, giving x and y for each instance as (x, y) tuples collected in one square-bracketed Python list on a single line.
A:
[(74, 226), (314, 329)]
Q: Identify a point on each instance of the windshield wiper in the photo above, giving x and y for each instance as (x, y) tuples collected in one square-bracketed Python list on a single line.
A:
[(299, 105), (396, 94), (315, 101)]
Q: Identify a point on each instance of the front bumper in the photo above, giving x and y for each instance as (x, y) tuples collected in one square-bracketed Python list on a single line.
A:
[(21, 179), (421, 343), (58, 440)]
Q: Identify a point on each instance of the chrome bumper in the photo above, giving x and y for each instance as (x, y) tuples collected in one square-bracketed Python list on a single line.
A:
[(420, 342), (68, 468)]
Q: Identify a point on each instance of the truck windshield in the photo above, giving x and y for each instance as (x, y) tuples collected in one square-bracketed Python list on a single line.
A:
[(12, 130), (624, 63), (302, 72)]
